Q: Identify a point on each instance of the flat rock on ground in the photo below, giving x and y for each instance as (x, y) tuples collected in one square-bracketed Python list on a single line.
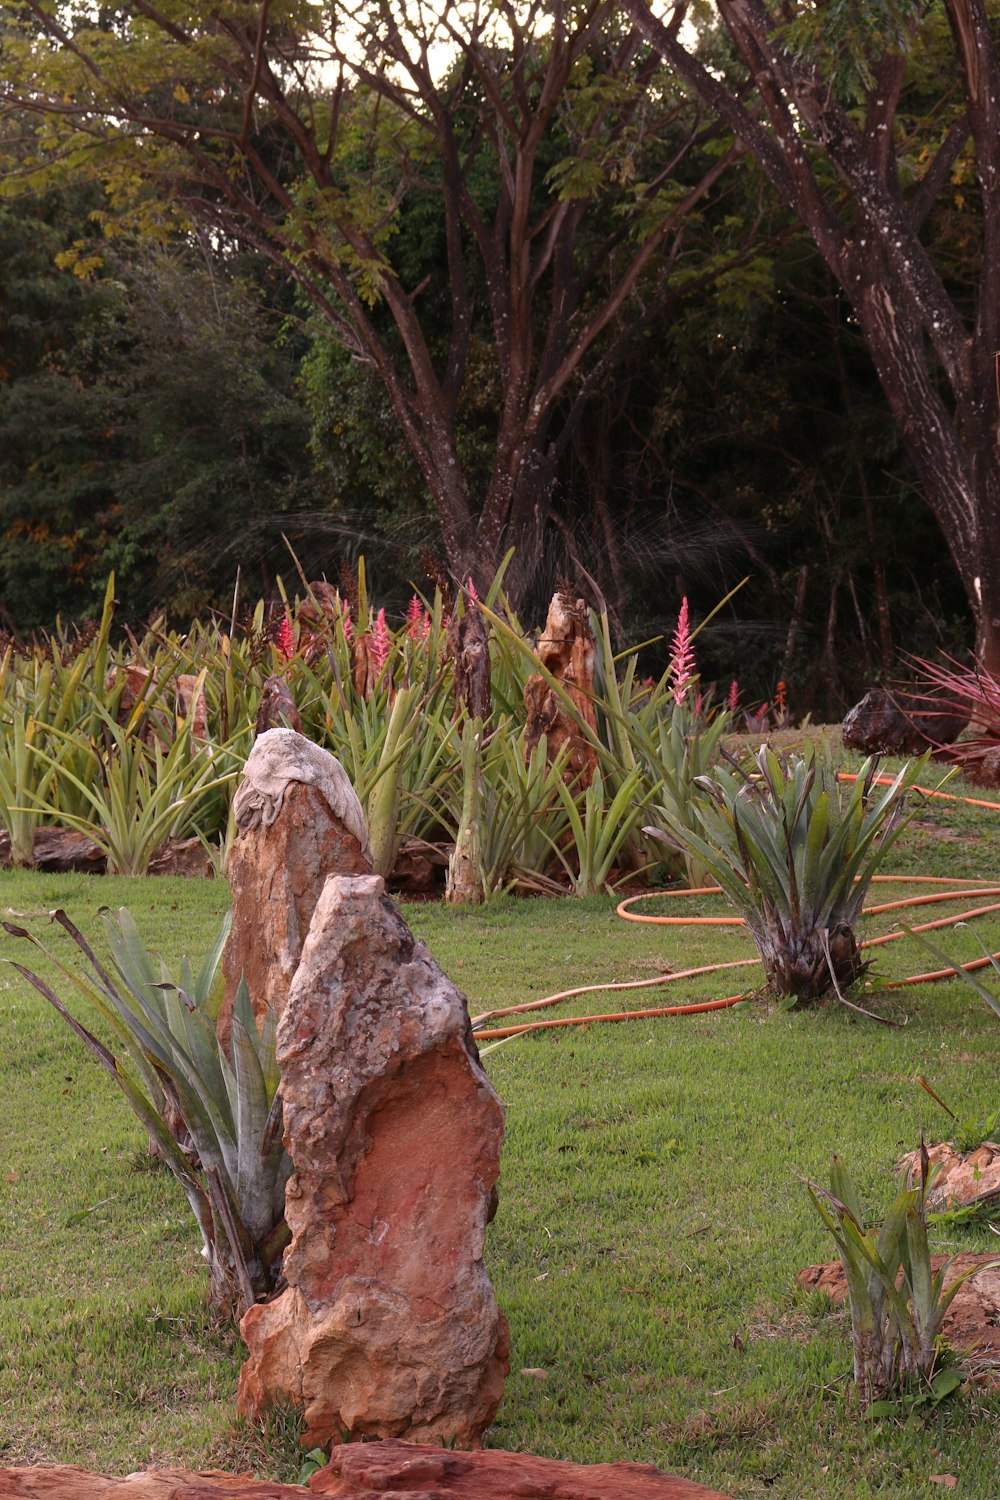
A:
[(963, 1178), (393, 1470)]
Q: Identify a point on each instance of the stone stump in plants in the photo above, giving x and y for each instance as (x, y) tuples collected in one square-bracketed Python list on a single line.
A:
[(469, 649), (389, 1326), (298, 820), (901, 723), (567, 649)]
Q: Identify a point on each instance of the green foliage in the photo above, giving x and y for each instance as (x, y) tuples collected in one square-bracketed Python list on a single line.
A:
[(600, 828), (215, 1119), (795, 855), (136, 794), (895, 1324), (845, 40)]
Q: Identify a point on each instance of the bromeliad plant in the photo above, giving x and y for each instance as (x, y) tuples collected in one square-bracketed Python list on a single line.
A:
[(795, 854), (214, 1117), (897, 1301)]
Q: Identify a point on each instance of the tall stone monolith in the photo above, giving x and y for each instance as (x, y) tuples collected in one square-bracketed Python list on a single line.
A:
[(389, 1326), (298, 820)]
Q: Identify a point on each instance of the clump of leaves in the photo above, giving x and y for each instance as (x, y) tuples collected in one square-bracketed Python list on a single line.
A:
[(215, 1119), (795, 853), (897, 1302)]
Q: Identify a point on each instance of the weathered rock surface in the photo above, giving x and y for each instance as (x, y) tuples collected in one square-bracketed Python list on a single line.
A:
[(566, 648), (389, 1326), (469, 648), (298, 821), (972, 1322), (278, 709), (901, 723), (61, 1482), (396, 1471), (187, 857), (410, 1470), (964, 1178), (181, 694), (59, 850)]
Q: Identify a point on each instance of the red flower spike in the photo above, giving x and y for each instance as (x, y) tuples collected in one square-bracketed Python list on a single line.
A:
[(683, 668), (381, 642), (284, 638)]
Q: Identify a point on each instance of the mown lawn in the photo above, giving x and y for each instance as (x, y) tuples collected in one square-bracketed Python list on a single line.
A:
[(651, 1219)]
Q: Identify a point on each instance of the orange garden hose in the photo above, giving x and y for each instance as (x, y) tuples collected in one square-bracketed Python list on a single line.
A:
[(958, 889)]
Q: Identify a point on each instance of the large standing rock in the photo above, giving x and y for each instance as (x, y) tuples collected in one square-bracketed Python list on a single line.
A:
[(566, 648), (186, 699), (389, 1326), (298, 820)]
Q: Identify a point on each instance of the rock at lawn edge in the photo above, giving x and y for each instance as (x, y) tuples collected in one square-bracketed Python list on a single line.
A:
[(411, 1470), (61, 1482), (298, 820), (389, 1326), (359, 1471)]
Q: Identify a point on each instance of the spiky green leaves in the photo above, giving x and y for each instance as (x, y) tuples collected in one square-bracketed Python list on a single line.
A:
[(795, 853), (897, 1300), (215, 1119)]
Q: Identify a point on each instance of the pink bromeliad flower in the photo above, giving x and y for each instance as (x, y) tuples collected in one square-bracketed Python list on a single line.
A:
[(471, 590), (416, 625), (683, 668), (734, 696), (284, 637), (381, 642), (346, 621)]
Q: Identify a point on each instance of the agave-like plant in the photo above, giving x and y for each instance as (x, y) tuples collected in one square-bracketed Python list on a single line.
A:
[(795, 853), (897, 1301), (215, 1119)]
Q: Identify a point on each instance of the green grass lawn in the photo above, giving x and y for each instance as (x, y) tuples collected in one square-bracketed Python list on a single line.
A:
[(651, 1220)]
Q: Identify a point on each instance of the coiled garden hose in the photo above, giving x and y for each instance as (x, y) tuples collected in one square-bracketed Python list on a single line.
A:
[(955, 890)]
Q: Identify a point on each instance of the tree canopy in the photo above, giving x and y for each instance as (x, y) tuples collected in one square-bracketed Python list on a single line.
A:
[(879, 126), (576, 279)]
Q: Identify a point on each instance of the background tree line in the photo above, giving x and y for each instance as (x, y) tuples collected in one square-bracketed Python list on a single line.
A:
[(262, 278)]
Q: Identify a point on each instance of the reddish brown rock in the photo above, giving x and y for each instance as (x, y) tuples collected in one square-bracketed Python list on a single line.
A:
[(59, 850), (566, 649), (469, 649), (277, 708), (187, 857), (972, 1322), (396, 1471), (298, 820), (413, 874), (317, 618), (389, 1326), (901, 723), (60, 1482), (181, 694), (408, 1469), (962, 1178)]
